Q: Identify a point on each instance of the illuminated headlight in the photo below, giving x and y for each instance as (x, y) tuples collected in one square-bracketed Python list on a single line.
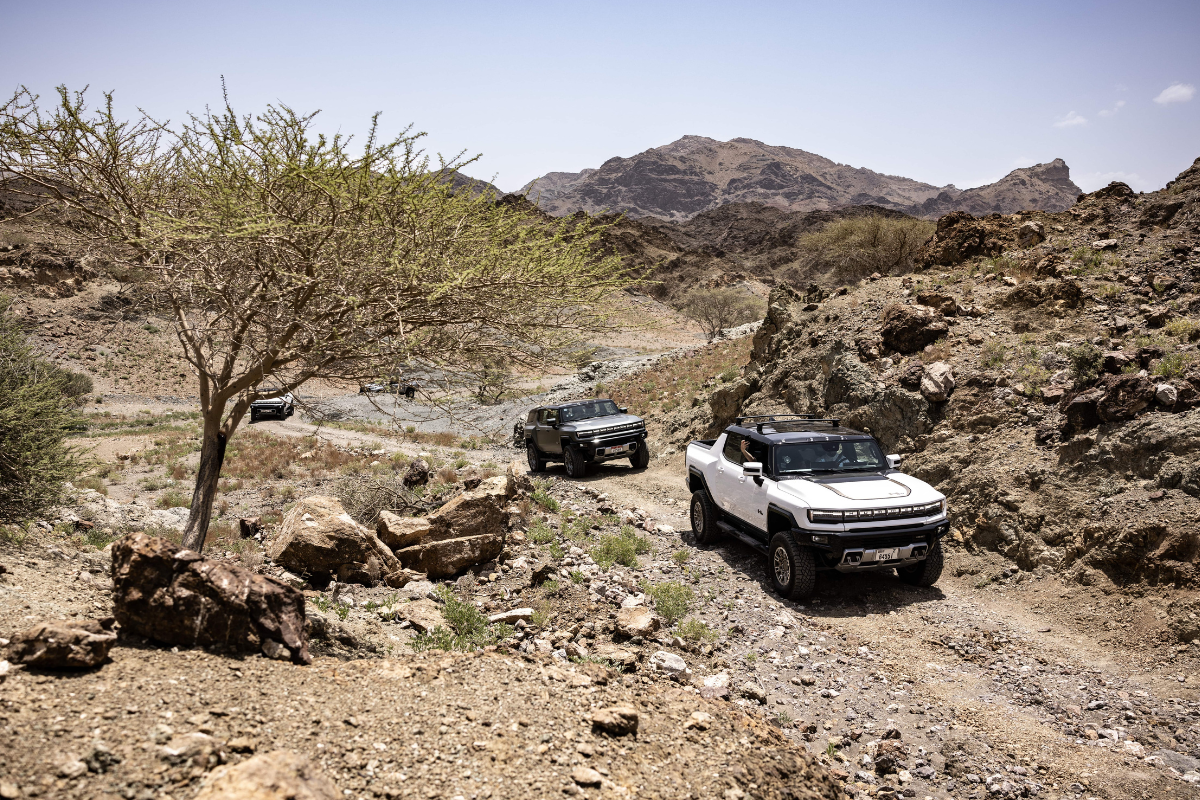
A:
[(586, 434), (824, 516)]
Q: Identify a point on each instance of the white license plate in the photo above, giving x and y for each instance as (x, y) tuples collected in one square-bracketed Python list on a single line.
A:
[(887, 555), (619, 448)]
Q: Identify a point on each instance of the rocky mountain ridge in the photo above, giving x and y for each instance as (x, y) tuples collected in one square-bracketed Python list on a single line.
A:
[(695, 174)]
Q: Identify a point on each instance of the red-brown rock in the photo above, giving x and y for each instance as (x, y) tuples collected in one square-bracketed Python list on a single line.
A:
[(176, 596), (63, 645)]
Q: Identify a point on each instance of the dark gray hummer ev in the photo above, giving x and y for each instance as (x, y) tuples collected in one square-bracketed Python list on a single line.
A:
[(583, 432)]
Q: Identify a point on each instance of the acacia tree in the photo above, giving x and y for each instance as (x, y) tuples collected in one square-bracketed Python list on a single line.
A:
[(718, 309), (286, 257)]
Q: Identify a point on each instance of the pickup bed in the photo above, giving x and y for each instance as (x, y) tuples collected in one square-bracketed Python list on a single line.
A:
[(811, 496)]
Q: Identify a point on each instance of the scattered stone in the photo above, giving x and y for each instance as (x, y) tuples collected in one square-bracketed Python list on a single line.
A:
[(423, 615), (619, 720), (195, 750), (72, 768), (176, 596), (700, 720), (1031, 233), (1166, 395), (512, 616), (636, 621), (250, 527), (541, 572), (63, 645), (586, 776), (668, 663), (889, 757), (752, 691), (937, 382), (279, 775), (417, 473)]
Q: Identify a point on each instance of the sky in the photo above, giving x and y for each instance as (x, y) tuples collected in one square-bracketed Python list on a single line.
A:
[(956, 92)]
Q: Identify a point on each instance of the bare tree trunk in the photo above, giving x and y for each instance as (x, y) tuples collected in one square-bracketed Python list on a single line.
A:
[(212, 456)]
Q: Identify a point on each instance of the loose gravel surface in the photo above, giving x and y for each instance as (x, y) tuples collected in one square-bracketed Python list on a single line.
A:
[(994, 683)]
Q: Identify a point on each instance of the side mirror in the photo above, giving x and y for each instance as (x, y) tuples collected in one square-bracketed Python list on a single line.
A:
[(894, 460), (752, 469), (623, 409)]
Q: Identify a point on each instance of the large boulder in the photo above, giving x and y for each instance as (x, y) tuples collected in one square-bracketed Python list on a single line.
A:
[(279, 775), (166, 593), (908, 329), (448, 557), (63, 645), (468, 530), (318, 537)]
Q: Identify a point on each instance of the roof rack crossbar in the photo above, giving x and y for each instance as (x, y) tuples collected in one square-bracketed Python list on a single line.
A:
[(767, 419)]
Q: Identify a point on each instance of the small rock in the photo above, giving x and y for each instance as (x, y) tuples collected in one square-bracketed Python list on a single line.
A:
[(250, 527), (512, 616), (72, 769), (194, 749), (1166, 395), (700, 720), (618, 720), (637, 621), (424, 615), (161, 734), (753, 691), (586, 776), (668, 663), (276, 775)]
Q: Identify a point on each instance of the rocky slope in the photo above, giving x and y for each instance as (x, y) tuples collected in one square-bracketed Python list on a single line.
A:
[(697, 174), (1068, 433)]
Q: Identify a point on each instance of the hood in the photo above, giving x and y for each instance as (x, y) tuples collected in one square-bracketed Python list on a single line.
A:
[(598, 423), (871, 490)]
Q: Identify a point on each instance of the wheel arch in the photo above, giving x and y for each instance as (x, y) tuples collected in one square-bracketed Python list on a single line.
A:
[(779, 520), (696, 481)]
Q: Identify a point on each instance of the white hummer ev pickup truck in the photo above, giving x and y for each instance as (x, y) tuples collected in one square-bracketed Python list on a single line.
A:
[(812, 495)]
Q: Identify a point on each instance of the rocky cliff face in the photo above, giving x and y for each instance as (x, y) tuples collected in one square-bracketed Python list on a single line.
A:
[(696, 174)]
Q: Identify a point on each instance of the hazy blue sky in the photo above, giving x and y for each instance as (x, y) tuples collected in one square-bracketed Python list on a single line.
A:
[(956, 92)]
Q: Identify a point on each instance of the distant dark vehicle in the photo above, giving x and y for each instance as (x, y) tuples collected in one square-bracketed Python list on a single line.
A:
[(393, 387), (583, 432), (282, 407)]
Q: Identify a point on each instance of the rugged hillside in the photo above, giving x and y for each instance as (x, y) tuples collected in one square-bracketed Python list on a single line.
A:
[(1069, 431), (1046, 187), (696, 174)]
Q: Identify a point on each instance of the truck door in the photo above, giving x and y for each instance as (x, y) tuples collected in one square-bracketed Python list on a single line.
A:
[(735, 492), (548, 440)]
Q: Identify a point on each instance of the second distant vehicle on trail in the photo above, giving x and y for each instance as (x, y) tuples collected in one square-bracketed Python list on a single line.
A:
[(583, 432)]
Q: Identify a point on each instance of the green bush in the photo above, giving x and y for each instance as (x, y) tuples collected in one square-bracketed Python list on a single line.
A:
[(850, 249), (1172, 365), (671, 600), (467, 627), (621, 548), (1086, 360), (35, 462), (696, 631)]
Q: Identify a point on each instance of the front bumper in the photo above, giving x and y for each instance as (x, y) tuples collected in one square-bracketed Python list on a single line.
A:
[(603, 449), (279, 409), (860, 550)]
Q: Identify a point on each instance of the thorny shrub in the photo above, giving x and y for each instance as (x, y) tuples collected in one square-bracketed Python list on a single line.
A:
[(468, 628)]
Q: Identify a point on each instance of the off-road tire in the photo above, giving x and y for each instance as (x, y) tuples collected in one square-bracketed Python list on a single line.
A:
[(290, 411), (536, 462), (792, 568), (641, 457), (704, 518), (254, 415), (573, 459), (924, 573)]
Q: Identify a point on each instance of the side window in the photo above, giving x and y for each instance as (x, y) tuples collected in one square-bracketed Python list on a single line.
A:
[(532, 418), (758, 452), (549, 416), (733, 449)]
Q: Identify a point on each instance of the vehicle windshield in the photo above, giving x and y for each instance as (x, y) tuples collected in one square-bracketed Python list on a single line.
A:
[(808, 458), (592, 408)]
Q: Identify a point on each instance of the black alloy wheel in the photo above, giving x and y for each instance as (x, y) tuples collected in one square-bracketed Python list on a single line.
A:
[(536, 462), (704, 519), (640, 458), (576, 466), (793, 568), (924, 573)]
